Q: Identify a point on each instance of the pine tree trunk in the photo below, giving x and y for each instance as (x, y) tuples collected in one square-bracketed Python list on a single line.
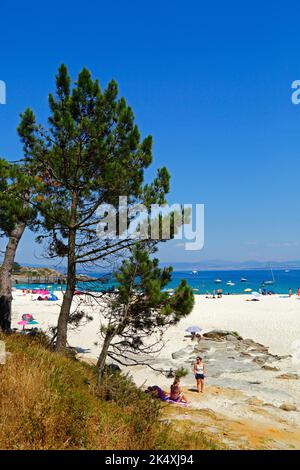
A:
[(103, 355), (5, 276), (62, 325)]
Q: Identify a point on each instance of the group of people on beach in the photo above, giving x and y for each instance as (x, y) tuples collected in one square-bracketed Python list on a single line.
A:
[(176, 393), (297, 293), (215, 294)]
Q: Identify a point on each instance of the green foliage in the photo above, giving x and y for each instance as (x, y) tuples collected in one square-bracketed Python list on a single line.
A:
[(141, 289), (180, 373), (49, 401), (142, 307), (16, 187), (16, 268)]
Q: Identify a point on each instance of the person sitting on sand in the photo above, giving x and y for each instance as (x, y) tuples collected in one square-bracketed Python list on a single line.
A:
[(176, 393), (199, 371)]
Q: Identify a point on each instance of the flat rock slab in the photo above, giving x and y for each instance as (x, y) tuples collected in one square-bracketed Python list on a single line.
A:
[(288, 407), (288, 376)]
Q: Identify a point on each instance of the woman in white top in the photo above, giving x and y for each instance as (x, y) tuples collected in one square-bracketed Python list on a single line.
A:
[(199, 371)]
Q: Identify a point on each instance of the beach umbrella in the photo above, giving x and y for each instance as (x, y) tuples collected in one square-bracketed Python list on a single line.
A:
[(32, 322), (42, 292), (23, 323), (193, 329), (248, 290), (255, 294)]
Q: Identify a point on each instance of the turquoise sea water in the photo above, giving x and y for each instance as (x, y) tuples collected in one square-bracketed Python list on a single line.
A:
[(204, 281)]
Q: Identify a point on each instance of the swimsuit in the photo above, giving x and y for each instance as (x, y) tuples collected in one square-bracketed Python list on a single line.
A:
[(199, 371)]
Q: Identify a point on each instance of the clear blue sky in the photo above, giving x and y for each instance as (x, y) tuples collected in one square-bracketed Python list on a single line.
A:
[(211, 81)]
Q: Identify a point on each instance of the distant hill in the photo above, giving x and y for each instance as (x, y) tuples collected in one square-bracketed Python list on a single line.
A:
[(211, 265)]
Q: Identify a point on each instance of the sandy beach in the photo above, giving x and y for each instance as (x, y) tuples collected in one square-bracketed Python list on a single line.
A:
[(273, 321)]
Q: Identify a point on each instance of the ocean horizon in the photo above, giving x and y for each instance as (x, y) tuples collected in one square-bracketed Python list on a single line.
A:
[(205, 281)]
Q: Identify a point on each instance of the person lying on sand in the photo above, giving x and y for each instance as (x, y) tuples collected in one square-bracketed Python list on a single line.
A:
[(176, 393), (199, 371), (157, 392)]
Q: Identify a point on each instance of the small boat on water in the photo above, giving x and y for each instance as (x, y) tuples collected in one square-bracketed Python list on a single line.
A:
[(230, 283), (194, 272), (269, 282), (243, 279), (217, 281)]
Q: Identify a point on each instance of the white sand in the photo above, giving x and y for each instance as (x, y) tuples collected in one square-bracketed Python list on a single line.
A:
[(273, 321)]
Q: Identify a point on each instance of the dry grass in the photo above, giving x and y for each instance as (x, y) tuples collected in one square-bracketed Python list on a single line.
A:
[(49, 401)]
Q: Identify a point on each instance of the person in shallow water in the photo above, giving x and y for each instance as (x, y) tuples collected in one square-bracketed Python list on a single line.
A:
[(176, 392), (199, 371)]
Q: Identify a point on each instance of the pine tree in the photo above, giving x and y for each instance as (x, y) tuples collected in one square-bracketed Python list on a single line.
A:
[(140, 309), (90, 154), (16, 213)]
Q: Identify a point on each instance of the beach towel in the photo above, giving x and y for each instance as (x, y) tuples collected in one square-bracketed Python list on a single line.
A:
[(53, 298), (174, 402)]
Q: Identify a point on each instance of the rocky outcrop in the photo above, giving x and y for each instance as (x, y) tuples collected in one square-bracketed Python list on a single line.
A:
[(288, 407), (226, 351), (288, 376), (221, 335), (271, 368)]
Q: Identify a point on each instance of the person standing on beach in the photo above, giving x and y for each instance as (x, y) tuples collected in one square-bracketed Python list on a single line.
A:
[(199, 371), (290, 292), (298, 292)]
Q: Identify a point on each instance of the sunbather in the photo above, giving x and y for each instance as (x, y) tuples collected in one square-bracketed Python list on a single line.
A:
[(176, 393)]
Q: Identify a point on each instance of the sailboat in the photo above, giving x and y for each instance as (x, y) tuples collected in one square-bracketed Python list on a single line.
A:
[(270, 282)]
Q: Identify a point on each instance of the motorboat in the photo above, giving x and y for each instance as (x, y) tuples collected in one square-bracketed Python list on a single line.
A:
[(218, 281), (243, 279), (230, 283)]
